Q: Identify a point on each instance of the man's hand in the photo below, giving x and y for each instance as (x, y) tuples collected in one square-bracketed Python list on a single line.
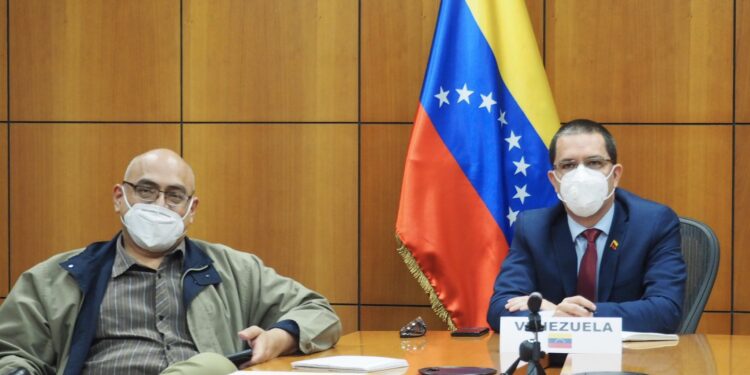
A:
[(267, 345), (522, 304), (575, 306)]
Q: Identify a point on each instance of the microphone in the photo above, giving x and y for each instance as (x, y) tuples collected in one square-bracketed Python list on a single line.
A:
[(535, 302)]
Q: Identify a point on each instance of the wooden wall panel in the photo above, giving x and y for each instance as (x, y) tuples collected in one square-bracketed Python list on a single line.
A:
[(349, 316), (641, 61), (536, 13), (3, 65), (95, 60), (292, 60), (385, 277), (742, 219), (4, 216), (392, 318), (62, 177), (687, 168), (742, 324), (287, 193), (715, 323), (742, 66), (396, 42)]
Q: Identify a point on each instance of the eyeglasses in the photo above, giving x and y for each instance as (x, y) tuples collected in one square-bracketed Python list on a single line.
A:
[(174, 197), (415, 328), (596, 163)]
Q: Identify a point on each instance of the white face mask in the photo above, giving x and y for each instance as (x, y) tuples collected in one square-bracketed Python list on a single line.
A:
[(584, 190), (152, 227)]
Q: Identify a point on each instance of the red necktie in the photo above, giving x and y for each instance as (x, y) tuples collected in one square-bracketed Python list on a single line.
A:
[(587, 270)]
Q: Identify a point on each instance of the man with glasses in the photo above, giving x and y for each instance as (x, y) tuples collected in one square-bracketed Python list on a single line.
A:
[(151, 299), (602, 252)]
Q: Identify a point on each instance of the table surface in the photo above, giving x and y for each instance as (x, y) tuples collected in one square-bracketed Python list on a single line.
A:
[(692, 354)]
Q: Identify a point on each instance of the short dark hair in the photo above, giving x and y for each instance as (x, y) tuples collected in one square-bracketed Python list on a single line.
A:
[(583, 126)]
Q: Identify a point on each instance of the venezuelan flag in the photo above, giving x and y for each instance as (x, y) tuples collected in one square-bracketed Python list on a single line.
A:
[(477, 155), (560, 340)]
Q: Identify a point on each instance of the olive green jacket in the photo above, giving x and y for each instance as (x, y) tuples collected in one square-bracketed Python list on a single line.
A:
[(41, 313)]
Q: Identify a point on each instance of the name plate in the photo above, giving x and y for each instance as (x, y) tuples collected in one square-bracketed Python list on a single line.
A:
[(565, 335)]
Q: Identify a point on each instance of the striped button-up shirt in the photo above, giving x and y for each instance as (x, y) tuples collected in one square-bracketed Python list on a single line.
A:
[(142, 327)]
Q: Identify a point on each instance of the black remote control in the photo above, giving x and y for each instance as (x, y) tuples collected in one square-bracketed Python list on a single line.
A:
[(240, 357)]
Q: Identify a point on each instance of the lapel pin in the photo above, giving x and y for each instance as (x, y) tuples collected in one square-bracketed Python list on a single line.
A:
[(613, 245)]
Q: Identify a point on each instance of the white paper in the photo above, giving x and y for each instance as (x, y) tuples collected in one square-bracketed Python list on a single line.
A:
[(354, 363), (587, 362), (648, 336)]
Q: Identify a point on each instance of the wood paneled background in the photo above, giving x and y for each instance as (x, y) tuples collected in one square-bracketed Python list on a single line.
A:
[(296, 114)]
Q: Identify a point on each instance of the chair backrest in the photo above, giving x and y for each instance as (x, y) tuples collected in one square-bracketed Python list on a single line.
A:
[(700, 249)]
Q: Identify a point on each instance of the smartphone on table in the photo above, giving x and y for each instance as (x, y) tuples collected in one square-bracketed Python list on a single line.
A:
[(470, 332)]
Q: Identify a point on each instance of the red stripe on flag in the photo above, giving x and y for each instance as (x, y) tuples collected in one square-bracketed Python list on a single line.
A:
[(450, 232)]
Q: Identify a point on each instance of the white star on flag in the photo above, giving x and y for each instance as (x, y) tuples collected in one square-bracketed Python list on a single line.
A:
[(521, 166), (512, 215), (502, 119), (521, 193), (443, 97), (463, 94), (513, 141), (487, 102)]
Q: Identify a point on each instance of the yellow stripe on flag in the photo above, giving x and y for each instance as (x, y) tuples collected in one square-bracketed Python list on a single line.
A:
[(507, 28)]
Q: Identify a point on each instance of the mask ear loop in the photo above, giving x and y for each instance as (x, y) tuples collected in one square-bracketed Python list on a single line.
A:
[(125, 196), (559, 181), (190, 205), (614, 187)]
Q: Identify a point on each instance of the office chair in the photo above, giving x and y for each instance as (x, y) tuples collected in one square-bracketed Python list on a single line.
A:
[(700, 249)]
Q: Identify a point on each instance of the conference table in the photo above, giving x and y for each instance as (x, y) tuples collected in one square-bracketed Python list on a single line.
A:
[(692, 354)]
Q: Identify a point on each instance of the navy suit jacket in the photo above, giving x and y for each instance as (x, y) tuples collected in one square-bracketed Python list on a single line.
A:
[(641, 280)]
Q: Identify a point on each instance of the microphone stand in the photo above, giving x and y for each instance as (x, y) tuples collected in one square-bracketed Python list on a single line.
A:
[(530, 351)]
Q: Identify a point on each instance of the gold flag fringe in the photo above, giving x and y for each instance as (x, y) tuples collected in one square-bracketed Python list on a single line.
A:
[(411, 264)]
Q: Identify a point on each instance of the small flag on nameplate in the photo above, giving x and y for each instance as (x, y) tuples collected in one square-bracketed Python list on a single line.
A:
[(560, 340)]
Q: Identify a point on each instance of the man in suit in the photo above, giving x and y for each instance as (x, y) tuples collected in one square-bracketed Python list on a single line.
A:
[(602, 252)]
